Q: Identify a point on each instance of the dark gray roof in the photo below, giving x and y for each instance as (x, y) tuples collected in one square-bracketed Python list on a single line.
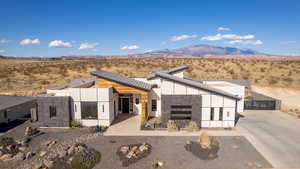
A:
[(195, 85), (7, 101), (123, 80), (169, 71)]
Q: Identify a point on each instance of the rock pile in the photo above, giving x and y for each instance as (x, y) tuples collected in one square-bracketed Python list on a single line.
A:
[(206, 149), (30, 131), (132, 153)]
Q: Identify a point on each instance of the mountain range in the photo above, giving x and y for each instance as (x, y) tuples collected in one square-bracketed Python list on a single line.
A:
[(202, 50)]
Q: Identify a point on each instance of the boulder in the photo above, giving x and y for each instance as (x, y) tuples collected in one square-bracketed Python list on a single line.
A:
[(124, 149), (71, 150), (29, 131), (62, 153), (19, 156), (29, 154), (48, 163), (143, 147), (205, 140), (22, 148), (43, 153), (6, 157), (130, 154)]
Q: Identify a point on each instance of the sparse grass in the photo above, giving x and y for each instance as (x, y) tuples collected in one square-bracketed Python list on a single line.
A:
[(25, 77)]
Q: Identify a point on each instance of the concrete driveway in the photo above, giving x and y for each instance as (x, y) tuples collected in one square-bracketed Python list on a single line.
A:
[(274, 134)]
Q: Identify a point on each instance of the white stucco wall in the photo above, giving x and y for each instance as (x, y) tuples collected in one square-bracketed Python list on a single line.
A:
[(104, 98)]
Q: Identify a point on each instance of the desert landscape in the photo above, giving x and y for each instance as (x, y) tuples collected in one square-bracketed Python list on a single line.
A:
[(278, 79)]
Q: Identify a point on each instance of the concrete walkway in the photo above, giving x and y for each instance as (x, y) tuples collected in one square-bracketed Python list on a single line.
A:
[(130, 126)]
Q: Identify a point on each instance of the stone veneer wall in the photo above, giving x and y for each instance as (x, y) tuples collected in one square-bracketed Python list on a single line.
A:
[(62, 105)]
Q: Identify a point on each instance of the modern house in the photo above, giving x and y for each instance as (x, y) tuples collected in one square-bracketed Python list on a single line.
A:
[(165, 94)]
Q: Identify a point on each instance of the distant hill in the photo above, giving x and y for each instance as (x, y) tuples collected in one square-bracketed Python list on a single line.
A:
[(202, 50)]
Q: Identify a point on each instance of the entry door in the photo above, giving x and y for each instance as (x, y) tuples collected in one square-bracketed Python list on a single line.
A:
[(125, 105)]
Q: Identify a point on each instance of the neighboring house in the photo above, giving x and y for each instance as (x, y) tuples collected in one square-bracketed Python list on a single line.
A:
[(16, 107), (166, 94)]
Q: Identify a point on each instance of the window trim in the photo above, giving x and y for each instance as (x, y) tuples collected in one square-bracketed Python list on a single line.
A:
[(52, 111), (153, 106), (89, 116)]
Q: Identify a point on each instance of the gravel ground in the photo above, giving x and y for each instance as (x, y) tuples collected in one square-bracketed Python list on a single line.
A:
[(37, 144), (234, 153)]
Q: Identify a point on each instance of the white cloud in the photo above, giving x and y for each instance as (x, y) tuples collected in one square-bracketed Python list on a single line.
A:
[(84, 46), (4, 41), (227, 36), (223, 29), (30, 42), (132, 47), (242, 42), (2, 51), (163, 43), (59, 43), (183, 37)]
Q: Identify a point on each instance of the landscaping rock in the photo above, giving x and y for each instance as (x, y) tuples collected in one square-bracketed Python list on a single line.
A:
[(86, 159), (29, 154), (124, 149), (23, 149), (205, 140), (19, 156), (158, 164), (71, 150), (6, 157), (43, 153), (37, 165), (48, 163), (62, 154), (132, 153), (29, 131), (203, 152)]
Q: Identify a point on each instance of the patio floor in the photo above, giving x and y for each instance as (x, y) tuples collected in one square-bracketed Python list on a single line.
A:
[(129, 125)]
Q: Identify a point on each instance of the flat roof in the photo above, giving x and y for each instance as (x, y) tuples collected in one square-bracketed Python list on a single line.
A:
[(7, 101)]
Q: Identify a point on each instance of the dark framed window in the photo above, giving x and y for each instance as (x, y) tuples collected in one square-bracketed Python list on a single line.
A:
[(75, 107), (52, 111), (137, 101), (89, 110), (221, 113), (211, 113), (5, 113), (154, 105), (181, 106)]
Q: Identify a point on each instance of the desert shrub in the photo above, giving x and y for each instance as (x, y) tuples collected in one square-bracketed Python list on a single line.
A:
[(192, 126), (85, 159), (171, 126), (75, 124), (155, 121), (5, 141)]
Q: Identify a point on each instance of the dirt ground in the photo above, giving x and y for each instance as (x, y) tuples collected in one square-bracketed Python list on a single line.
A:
[(288, 96)]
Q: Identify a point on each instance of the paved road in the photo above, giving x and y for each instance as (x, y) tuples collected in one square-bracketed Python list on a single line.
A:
[(275, 135)]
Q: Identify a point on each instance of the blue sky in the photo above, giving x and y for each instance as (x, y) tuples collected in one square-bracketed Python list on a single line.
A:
[(111, 27)]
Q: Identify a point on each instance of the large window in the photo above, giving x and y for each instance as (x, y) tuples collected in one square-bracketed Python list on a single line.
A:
[(52, 110), (89, 110), (154, 105)]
